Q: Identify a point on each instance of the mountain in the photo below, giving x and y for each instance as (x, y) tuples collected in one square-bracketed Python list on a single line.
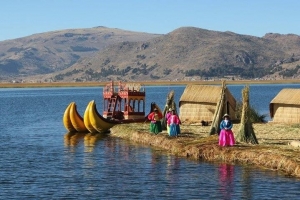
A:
[(49, 52), (186, 52)]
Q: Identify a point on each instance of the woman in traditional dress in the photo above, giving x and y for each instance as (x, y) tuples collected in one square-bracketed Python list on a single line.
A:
[(173, 124), (155, 124), (226, 137), (168, 115)]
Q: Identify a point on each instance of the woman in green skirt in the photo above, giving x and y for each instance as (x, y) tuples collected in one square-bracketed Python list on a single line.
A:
[(155, 123)]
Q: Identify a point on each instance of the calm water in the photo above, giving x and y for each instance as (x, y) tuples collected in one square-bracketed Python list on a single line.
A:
[(40, 160)]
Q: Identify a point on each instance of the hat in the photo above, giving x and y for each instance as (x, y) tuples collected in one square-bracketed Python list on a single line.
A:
[(226, 115), (170, 109)]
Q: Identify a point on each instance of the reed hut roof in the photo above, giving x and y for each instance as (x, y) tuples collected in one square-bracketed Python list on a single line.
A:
[(286, 96), (204, 94)]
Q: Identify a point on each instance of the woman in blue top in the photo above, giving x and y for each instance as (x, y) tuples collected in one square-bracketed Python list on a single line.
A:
[(226, 137)]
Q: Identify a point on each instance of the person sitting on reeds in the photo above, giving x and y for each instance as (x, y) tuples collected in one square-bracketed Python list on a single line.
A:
[(226, 137), (173, 124), (155, 125)]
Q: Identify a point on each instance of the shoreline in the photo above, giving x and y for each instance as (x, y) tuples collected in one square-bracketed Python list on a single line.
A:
[(272, 153), (145, 83)]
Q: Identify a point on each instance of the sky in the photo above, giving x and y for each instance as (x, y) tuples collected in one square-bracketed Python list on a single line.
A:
[(20, 18)]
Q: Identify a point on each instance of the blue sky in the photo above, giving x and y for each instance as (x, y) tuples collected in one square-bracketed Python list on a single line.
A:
[(20, 18)]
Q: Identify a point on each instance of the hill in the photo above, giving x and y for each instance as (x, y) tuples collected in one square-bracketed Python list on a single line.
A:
[(50, 52), (185, 53), (191, 52)]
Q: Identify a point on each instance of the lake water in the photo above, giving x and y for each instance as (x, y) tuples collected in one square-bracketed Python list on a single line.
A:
[(40, 160)]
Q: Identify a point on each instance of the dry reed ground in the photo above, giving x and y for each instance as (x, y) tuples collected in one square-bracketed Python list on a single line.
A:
[(273, 151)]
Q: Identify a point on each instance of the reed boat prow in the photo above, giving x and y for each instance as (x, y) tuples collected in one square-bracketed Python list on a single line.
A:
[(99, 123)]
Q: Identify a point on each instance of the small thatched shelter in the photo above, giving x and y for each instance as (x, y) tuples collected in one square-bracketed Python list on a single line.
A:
[(198, 102), (285, 107)]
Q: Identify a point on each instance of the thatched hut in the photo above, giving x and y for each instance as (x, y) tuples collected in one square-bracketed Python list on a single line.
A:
[(285, 107), (198, 102)]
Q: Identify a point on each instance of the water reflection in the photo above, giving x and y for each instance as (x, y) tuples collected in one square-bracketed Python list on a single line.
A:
[(247, 185), (226, 175), (172, 165), (91, 139), (72, 139)]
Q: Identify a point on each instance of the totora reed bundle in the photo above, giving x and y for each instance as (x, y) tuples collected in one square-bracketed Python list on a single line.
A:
[(246, 132), (215, 128), (170, 103)]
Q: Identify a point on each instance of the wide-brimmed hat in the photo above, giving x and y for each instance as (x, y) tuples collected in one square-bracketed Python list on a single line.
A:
[(226, 115)]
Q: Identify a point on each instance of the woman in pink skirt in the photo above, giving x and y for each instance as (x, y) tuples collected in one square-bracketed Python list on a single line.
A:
[(173, 124), (226, 137)]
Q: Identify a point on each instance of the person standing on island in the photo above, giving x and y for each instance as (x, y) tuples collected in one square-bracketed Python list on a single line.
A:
[(168, 115), (173, 124), (226, 137), (155, 124)]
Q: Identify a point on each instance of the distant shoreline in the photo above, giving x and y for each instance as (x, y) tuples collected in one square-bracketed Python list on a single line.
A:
[(146, 83)]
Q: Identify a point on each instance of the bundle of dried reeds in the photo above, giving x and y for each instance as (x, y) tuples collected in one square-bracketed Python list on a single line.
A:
[(170, 103), (215, 125), (246, 132)]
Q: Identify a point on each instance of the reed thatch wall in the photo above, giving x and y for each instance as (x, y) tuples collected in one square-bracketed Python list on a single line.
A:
[(189, 111), (286, 113), (285, 107), (198, 102)]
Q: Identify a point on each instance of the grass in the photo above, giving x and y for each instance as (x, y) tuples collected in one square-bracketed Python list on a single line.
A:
[(255, 116)]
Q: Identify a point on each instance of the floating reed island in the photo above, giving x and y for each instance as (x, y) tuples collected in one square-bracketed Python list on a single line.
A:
[(273, 152)]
